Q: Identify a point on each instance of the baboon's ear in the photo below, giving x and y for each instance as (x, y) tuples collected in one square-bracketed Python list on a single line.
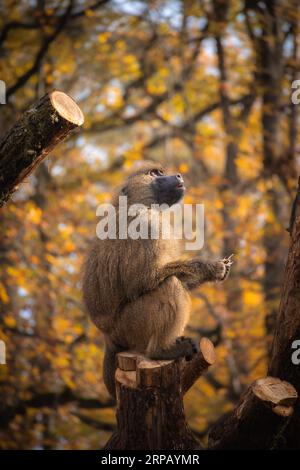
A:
[(124, 191)]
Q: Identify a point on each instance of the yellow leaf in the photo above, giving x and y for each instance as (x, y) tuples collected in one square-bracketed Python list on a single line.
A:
[(61, 324), (252, 298), (129, 59), (89, 13), (120, 45), (218, 204), (188, 199), (90, 377), (3, 294), (178, 103), (183, 168), (34, 215), (156, 85), (69, 246), (10, 321), (103, 37), (230, 334), (62, 361)]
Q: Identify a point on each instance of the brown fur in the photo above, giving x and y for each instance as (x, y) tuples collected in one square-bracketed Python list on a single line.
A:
[(136, 291)]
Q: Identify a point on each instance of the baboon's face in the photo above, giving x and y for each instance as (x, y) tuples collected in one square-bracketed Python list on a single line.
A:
[(167, 189), (153, 186)]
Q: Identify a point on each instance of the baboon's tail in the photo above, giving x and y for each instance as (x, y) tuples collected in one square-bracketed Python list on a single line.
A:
[(109, 369)]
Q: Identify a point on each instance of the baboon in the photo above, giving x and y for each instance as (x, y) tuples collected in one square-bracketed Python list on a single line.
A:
[(137, 290)]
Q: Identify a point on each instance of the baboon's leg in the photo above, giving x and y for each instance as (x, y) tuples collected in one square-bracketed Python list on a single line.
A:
[(152, 323), (183, 347)]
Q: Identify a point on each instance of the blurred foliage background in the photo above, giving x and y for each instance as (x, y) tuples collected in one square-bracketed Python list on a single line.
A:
[(203, 87)]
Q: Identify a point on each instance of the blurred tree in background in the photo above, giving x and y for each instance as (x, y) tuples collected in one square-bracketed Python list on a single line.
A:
[(201, 86)]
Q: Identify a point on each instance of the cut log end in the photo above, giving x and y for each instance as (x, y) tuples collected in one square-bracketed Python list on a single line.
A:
[(284, 411), (66, 107), (135, 370), (127, 378), (127, 360), (194, 368), (275, 392), (208, 351)]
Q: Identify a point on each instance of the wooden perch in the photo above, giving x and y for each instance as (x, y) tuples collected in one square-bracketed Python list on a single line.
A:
[(150, 412), (30, 140), (259, 419)]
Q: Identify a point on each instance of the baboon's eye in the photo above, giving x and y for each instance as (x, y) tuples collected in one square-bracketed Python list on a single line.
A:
[(156, 172)]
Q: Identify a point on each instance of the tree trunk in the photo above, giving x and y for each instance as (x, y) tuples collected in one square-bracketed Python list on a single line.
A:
[(30, 140), (150, 412), (272, 422), (271, 76), (288, 324)]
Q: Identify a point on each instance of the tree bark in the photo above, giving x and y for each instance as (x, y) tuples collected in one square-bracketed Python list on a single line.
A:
[(150, 412), (30, 140)]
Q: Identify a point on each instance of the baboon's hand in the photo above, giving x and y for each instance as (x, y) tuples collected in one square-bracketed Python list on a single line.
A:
[(188, 347), (223, 268)]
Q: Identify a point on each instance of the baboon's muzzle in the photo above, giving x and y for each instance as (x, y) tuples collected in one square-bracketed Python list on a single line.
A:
[(168, 189)]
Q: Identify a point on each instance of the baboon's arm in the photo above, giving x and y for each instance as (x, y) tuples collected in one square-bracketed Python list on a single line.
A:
[(190, 273), (195, 272)]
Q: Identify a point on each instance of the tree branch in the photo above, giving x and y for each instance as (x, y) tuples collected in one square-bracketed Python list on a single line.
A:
[(29, 141), (22, 80), (194, 368), (35, 25), (51, 399)]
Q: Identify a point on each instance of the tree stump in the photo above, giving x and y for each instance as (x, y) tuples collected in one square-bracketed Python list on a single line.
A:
[(30, 140), (259, 419), (150, 411)]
